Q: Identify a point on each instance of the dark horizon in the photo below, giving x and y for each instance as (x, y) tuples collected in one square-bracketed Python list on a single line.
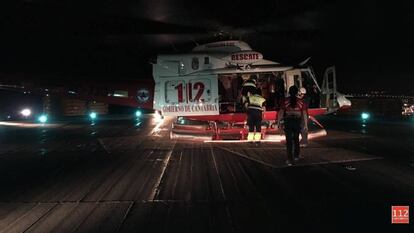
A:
[(368, 42)]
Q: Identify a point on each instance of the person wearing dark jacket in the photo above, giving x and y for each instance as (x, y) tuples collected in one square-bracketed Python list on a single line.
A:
[(293, 114)]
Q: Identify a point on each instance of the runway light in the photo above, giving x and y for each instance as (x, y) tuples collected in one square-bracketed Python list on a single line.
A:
[(43, 119), (93, 115), (138, 113), (365, 116), (26, 112)]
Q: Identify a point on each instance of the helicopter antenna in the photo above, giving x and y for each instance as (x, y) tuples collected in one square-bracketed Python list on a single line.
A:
[(305, 61), (195, 42)]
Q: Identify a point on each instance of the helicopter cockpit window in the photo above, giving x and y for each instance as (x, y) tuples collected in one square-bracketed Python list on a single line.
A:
[(194, 63), (181, 68)]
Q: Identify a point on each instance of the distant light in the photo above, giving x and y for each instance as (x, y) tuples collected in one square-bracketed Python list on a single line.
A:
[(26, 112), (138, 113), (93, 115), (365, 116), (42, 118)]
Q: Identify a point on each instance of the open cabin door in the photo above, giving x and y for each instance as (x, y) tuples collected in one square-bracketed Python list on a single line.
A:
[(329, 92), (192, 95), (293, 78)]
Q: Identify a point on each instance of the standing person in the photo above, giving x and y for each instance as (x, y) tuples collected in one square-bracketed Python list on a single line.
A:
[(292, 113), (304, 130), (255, 108)]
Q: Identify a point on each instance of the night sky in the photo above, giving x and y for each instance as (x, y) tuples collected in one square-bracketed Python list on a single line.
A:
[(370, 42)]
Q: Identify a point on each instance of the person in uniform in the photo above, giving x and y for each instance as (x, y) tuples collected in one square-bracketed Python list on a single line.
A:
[(304, 130), (255, 107), (293, 113), (248, 86)]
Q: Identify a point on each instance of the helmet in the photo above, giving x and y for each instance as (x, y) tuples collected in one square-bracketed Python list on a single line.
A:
[(253, 77), (293, 90)]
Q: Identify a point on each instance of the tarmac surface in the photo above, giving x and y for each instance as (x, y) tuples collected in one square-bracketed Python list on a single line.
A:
[(128, 176)]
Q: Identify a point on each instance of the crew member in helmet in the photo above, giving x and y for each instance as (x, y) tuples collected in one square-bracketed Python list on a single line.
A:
[(293, 113), (248, 86), (255, 107)]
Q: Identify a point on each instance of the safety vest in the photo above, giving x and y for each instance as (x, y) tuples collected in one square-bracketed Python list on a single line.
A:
[(294, 112), (249, 83), (256, 102)]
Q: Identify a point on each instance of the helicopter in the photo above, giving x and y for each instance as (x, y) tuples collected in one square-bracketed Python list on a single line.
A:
[(202, 89)]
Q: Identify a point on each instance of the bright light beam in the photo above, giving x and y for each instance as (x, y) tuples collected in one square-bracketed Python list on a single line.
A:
[(158, 117), (26, 112)]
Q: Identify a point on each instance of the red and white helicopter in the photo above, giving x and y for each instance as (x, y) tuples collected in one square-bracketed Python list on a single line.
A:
[(202, 89)]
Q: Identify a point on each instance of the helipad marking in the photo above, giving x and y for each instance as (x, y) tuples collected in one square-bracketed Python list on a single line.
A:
[(337, 161), (157, 185), (103, 146), (300, 164), (249, 158)]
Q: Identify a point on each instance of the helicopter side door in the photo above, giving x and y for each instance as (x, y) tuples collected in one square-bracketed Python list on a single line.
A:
[(293, 77), (329, 93)]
